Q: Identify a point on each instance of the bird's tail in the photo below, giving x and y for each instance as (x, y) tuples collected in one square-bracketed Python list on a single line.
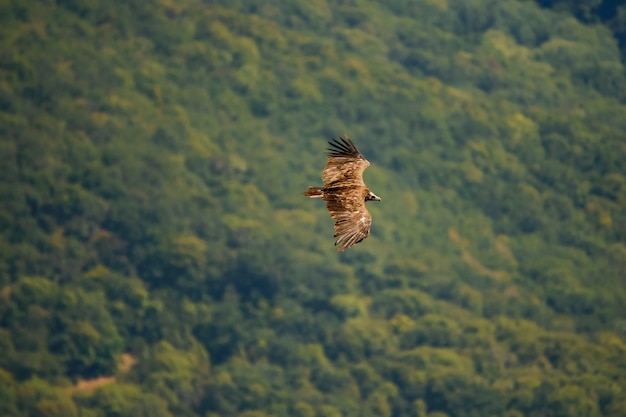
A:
[(314, 192)]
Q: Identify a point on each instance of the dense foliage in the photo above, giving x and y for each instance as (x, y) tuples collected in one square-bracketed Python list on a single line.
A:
[(153, 155)]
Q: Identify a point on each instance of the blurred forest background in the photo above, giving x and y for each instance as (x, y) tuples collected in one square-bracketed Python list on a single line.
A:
[(157, 258)]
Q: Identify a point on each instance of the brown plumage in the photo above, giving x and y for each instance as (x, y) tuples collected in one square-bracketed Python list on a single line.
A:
[(345, 193)]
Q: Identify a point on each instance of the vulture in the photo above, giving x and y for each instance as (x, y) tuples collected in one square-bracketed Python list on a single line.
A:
[(345, 193)]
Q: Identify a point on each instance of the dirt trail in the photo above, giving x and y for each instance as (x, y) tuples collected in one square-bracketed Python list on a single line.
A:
[(86, 385)]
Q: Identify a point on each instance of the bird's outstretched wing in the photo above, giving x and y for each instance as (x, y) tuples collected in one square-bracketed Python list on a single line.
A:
[(352, 220), (345, 164)]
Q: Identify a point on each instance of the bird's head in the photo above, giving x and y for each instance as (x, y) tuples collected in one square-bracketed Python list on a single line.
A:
[(370, 196)]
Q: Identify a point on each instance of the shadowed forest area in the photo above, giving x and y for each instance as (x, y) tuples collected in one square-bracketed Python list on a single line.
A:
[(157, 258)]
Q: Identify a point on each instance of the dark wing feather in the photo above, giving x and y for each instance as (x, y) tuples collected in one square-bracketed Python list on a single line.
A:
[(345, 164), (342, 147), (352, 220)]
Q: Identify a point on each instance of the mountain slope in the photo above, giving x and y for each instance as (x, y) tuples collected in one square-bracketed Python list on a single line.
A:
[(153, 159)]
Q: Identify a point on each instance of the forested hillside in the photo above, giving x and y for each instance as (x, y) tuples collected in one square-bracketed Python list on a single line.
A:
[(157, 258)]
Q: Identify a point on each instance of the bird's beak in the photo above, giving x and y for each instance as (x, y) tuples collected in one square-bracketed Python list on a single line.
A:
[(376, 198)]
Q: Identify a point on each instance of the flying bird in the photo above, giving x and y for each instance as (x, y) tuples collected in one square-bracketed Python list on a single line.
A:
[(345, 193)]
